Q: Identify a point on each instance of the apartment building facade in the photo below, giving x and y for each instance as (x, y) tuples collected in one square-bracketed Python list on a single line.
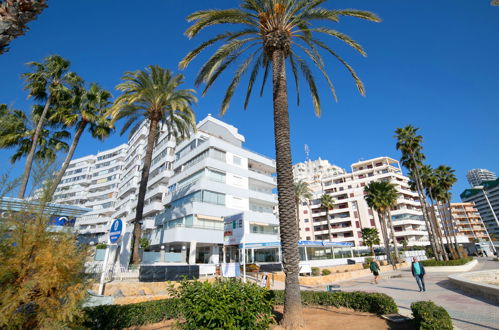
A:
[(466, 221), (486, 200), (478, 175), (92, 182), (351, 212), (215, 177)]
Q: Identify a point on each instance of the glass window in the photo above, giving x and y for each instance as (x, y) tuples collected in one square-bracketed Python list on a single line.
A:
[(216, 176), (236, 160)]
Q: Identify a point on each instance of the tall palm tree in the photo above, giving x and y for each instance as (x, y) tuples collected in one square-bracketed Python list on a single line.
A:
[(446, 179), (370, 236), (154, 95), (381, 196), (271, 33), (14, 17), (430, 185), (410, 144), (327, 202), (88, 110), (302, 193), (50, 82), (17, 131)]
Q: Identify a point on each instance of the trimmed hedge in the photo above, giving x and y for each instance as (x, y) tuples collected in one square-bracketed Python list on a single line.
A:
[(457, 262), (428, 316), (124, 316), (376, 303)]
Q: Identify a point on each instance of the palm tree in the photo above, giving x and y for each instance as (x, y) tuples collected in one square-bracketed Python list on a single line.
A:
[(370, 236), (153, 95), (17, 131), (49, 82), (446, 179), (381, 196), (89, 110), (302, 193), (327, 202), (15, 15), (430, 185), (271, 33), (410, 144)]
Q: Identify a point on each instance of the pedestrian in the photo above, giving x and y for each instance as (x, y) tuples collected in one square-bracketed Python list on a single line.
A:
[(375, 270), (418, 272)]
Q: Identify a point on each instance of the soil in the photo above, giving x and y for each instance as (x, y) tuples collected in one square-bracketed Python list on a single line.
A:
[(318, 318)]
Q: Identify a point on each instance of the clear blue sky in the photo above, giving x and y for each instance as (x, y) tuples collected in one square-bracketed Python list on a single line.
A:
[(432, 64)]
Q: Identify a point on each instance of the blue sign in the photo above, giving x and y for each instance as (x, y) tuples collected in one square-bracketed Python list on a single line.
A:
[(115, 231), (251, 245), (62, 221), (337, 243)]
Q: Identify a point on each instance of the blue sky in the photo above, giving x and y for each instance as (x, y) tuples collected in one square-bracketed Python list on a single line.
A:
[(432, 64)]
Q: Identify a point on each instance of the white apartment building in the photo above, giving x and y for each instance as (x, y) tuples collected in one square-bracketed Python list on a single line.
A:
[(351, 212), (92, 182), (214, 177)]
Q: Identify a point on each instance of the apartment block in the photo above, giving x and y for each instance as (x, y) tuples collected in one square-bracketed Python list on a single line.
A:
[(467, 222), (215, 177), (478, 175), (351, 212), (486, 200), (92, 182)]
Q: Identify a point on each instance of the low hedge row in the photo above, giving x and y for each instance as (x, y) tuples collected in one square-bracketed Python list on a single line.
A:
[(457, 262), (428, 316), (123, 316), (376, 303)]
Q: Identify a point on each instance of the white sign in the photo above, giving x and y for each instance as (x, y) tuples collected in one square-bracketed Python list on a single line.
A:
[(231, 269)]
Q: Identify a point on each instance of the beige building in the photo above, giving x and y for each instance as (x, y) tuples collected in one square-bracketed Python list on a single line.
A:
[(351, 212), (467, 222)]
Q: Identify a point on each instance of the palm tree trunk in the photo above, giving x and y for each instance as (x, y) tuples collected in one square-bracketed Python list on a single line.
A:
[(31, 154), (454, 234), (137, 225), (384, 233), (422, 201), (446, 231), (439, 229), (393, 237), (328, 225), (69, 156), (293, 318)]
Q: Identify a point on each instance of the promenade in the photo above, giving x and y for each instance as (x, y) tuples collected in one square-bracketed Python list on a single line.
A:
[(467, 311)]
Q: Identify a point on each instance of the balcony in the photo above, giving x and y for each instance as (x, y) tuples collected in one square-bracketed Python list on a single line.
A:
[(94, 230), (153, 207)]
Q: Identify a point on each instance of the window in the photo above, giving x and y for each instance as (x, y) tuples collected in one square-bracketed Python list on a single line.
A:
[(308, 238), (305, 220), (216, 176), (305, 212), (236, 160), (307, 229)]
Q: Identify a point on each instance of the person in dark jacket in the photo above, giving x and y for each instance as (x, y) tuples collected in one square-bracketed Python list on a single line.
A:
[(418, 272), (375, 270)]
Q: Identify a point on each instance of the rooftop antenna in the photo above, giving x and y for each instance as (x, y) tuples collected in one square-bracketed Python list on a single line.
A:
[(307, 152)]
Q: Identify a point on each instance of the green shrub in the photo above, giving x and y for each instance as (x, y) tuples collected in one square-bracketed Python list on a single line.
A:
[(326, 272), (101, 246), (124, 316), (224, 304), (428, 316), (377, 303), (316, 271), (457, 262)]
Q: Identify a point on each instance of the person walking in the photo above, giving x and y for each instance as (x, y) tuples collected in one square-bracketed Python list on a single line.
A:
[(418, 272), (375, 270)]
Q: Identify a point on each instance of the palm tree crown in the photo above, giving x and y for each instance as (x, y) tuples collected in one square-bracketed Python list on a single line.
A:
[(381, 195), (266, 26), (302, 191)]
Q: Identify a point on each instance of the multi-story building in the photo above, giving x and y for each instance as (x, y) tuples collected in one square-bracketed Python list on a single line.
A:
[(316, 171), (92, 182), (486, 199), (467, 221), (214, 177), (478, 175), (351, 212)]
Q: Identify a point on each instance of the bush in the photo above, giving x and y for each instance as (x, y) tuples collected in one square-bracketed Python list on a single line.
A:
[(457, 262), (377, 303), (124, 316), (316, 271), (252, 268), (428, 316), (224, 305), (326, 272), (101, 246)]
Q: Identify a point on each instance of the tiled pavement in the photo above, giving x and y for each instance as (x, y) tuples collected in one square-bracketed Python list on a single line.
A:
[(467, 311)]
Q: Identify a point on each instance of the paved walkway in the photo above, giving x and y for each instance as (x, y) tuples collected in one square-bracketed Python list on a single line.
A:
[(467, 311)]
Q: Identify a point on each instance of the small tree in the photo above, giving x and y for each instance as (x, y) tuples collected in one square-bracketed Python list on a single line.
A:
[(370, 236), (41, 272)]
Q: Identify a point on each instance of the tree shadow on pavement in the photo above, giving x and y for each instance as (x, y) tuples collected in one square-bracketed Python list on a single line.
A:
[(446, 284)]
